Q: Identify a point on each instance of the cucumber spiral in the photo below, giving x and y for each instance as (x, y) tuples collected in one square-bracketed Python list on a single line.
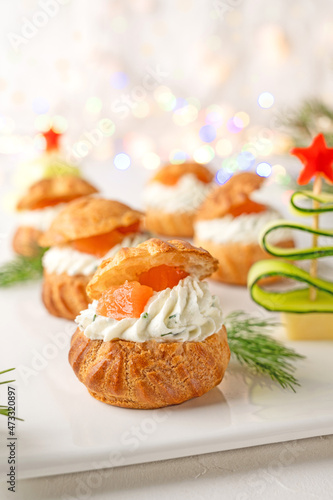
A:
[(298, 300)]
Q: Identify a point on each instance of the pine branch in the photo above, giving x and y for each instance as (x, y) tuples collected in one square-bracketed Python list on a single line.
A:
[(252, 347)]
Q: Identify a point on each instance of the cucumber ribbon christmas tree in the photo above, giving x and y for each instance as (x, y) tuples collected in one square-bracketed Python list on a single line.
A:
[(317, 294)]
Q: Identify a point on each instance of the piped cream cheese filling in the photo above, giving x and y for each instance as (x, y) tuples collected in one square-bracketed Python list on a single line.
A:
[(245, 228), (186, 312), (65, 259), (186, 196), (39, 219)]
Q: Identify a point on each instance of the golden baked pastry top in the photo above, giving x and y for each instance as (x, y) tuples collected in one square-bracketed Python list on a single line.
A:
[(60, 187), (172, 171), (234, 192), (130, 263), (88, 216)]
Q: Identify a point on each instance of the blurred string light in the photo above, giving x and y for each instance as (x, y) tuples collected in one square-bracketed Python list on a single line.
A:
[(122, 161), (40, 105), (264, 169), (185, 114), (59, 124), (177, 156), (165, 98), (214, 116), (280, 175), (266, 100), (119, 80), (204, 154), (180, 103), (7, 125), (151, 161), (107, 126), (222, 176), (234, 125), (39, 142), (223, 147), (194, 102), (93, 105), (43, 123), (137, 144), (230, 164), (141, 109), (207, 133), (245, 160), (242, 119)]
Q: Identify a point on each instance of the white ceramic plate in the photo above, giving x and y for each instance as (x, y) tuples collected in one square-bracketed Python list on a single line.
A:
[(66, 430)]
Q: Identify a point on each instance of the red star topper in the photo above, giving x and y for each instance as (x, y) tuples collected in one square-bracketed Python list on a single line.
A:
[(317, 160), (52, 140)]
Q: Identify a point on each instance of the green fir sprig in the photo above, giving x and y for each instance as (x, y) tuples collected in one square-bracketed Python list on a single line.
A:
[(262, 354), (21, 269), (311, 118)]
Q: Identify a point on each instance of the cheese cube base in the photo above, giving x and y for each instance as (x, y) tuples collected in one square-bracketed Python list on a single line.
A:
[(308, 326)]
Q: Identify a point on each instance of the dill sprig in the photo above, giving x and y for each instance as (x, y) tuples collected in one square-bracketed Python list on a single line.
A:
[(252, 347), (4, 409), (21, 269)]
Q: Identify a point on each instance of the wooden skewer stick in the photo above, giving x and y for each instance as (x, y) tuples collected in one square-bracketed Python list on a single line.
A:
[(317, 185)]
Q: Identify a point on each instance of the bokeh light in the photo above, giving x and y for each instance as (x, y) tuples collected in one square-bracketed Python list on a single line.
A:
[(119, 80), (234, 125), (195, 102), (40, 105), (43, 123), (141, 109), (204, 154), (151, 160), (122, 161), (165, 98), (230, 164), (178, 156), (278, 170), (223, 147), (39, 142), (207, 133), (93, 105), (7, 125), (264, 169), (107, 127), (245, 160), (59, 124), (266, 100), (222, 176), (137, 145), (215, 115), (185, 115), (180, 103), (242, 119)]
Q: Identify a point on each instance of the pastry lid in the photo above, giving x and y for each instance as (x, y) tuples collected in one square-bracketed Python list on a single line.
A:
[(130, 263), (88, 216), (175, 172), (60, 187), (234, 192)]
